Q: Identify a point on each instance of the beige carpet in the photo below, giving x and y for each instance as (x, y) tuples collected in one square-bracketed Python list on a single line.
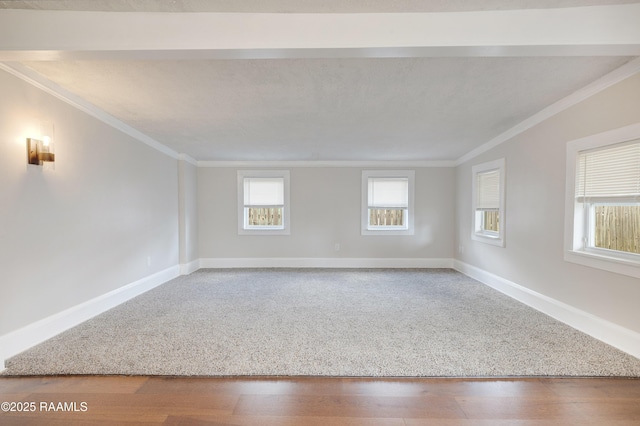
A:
[(328, 323)]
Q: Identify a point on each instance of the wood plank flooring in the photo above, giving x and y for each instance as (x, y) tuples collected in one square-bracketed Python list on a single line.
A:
[(119, 400)]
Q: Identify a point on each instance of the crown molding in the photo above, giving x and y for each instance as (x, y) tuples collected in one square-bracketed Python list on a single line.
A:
[(627, 70), (327, 164), (28, 75)]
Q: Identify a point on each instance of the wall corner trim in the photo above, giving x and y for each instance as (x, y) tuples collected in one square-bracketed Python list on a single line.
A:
[(187, 158), (24, 338), (615, 335), (188, 268)]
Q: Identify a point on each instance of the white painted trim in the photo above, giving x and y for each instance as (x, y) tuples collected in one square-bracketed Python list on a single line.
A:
[(28, 75), (613, 334), (574, 246), (500, 165), (188, 268), (187, 158), (20, 340), (618, 265), (354, 164), (286, 176), (410, 175), (629, 69), (337, 262)]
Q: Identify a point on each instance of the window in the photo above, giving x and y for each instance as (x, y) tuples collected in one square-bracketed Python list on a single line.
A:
[(387, 202), (603, 206), (488, 202), (263, 202)]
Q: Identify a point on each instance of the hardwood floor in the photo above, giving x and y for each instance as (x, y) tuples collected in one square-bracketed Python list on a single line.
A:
[(118, 400)]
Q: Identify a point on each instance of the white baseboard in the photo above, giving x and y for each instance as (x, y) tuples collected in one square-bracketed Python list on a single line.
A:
[(188, 268), (613, 334), (17, 341), (337, 262)]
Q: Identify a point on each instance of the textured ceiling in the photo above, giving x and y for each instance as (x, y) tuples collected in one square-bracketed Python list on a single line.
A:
[(326, 109), (298, 6), (334, 107)]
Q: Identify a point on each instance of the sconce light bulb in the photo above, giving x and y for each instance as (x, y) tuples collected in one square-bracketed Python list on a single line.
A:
[(46, 140)]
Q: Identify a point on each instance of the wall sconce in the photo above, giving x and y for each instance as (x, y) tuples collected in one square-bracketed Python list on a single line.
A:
[(41, 150)]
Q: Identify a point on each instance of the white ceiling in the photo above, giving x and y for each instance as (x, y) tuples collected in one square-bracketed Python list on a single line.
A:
[(326, 108)]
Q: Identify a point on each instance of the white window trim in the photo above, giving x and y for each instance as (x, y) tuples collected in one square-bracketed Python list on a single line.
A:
[(286, 229), (407, 174), (493, 238), (574, 250)]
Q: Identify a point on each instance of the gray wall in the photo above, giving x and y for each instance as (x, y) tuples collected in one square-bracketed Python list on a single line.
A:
[(188, 214), (325, 210), (108, 200), (111, 200), (535, 197)]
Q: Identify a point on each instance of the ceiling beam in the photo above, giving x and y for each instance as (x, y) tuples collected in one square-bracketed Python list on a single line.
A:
[(52, 35)]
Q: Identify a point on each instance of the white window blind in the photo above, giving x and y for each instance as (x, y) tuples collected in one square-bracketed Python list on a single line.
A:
[(388, 193), (488, 190), (612, 172), (263, 192)]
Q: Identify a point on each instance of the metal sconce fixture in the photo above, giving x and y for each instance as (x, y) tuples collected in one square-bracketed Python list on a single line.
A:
[(41, 150)]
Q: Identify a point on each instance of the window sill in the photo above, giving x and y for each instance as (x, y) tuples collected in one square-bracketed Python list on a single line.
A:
[(488, 239), (387, 231), (624, 266), (264, 232)]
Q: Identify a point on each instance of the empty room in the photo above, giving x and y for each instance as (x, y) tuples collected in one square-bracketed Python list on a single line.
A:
[(324, 212)]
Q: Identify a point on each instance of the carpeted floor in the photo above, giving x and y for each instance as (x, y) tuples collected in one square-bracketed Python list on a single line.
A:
[(324, 322)]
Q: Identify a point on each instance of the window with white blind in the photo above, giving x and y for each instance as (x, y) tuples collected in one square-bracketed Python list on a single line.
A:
[(387, 202), (263, 202), (603, 206), (488, 202)]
